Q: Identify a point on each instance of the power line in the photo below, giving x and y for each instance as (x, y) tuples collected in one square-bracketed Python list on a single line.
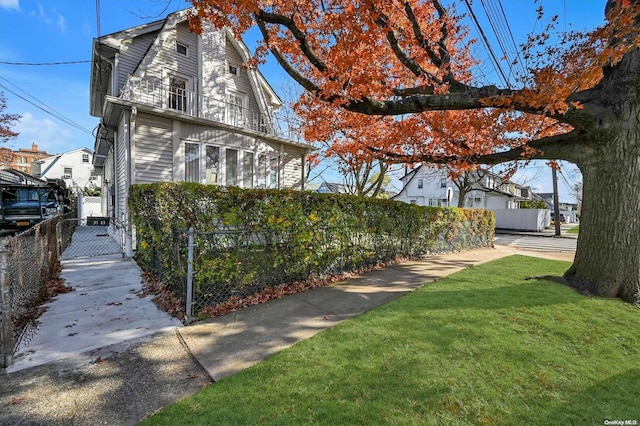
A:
[(44, 63), (485, 40), (47, 109)]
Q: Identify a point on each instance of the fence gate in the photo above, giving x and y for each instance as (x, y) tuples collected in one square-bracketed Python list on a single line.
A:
[(93, 236)]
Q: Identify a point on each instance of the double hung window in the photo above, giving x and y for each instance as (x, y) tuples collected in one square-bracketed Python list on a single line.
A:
[(214, 165), (178, 94)]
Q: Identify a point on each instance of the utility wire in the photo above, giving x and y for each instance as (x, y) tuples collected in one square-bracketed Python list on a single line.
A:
[(49, 110), (500, 25), (485, 40)]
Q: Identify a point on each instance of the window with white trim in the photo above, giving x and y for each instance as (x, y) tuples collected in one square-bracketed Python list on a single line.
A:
[(178, 94), (85, 158), (212, 165), (247, 169), (182, 49), (420, 183), (192, 162), (268, 171), (68, 173), (231, 167), (236, 109), (202, 157)]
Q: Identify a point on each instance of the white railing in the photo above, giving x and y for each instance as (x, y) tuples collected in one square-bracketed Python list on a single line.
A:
[(156, 94)]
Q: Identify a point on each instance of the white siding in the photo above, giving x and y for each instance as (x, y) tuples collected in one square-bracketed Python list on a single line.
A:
[(292, 165), (213, 73), (107, 192), (168, 62), (239, 83), (200, 133), (154, 150), (131, 53)]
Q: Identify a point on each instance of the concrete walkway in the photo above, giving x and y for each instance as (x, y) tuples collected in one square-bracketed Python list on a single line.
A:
[(233, 342), (140, 372), (103, 310)]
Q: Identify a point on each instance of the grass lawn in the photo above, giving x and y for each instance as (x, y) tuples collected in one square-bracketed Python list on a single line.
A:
[(574, 230), (483, 346)]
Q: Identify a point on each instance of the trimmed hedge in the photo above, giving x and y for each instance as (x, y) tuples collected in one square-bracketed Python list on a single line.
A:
[(248, 240)]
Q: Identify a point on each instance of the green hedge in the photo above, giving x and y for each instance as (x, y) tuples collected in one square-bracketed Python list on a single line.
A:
[(248, 240)]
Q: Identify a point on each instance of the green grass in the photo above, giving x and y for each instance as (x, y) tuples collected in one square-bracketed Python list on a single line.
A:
[(574, 230), (483, 346)]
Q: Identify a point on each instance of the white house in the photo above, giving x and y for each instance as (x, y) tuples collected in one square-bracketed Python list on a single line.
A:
[(333, 188), (176, 106), (74, 167), (430, 185), (568, 211)]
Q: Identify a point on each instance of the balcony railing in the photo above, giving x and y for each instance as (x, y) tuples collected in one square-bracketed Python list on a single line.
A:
[(156, 94)]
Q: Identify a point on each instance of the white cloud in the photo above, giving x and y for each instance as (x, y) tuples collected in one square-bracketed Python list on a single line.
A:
[(46, 133), (10, 4), (62, 23), (54, 18)]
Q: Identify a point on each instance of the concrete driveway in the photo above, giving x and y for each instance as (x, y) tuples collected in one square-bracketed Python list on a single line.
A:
[(100, 314)]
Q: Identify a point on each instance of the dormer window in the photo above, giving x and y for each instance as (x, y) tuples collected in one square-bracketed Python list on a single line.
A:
[(233, 70), (182, 49)]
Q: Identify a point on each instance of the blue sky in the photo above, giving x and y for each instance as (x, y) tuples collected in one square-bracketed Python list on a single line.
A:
[(62, 31)]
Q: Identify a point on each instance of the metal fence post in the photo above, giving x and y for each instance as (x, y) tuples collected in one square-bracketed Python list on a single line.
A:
[(189, 298), (6, 327)]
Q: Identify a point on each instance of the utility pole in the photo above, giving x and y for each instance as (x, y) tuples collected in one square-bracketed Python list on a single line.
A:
[(556, 207)]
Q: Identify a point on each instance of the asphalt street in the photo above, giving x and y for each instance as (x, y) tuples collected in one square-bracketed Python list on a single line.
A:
[(537, 243)]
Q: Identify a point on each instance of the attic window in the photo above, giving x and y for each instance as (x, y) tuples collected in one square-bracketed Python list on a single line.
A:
[(233, 70), (181, 49)]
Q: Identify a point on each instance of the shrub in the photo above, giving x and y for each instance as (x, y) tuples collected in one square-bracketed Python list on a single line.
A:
[(251, 239)]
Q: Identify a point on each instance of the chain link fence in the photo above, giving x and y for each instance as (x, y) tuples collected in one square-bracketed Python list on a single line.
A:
[(93, 236), (236, 263), (30, 261)]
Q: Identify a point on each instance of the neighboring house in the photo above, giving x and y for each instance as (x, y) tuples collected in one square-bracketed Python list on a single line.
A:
[(176, 106), (23, 157), (333, 188), (74, 167), (568, 211), (429, 185)]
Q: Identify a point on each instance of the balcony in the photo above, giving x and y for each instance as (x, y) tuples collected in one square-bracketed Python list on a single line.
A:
[(156, 94)]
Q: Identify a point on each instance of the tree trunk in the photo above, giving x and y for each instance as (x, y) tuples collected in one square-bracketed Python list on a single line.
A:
[(607, 261)]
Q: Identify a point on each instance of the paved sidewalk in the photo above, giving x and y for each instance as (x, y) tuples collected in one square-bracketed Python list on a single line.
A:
[(102, 310), (233, 342), (137, 377)]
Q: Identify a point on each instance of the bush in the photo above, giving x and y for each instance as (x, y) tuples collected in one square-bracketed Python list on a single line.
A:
[(248, 240)]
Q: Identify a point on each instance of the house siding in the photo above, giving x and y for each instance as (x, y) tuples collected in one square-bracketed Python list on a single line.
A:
[(239, 83), (213, 72), (292, 169), (131, 54), (154, 150), (107, 191), (195, 132), (167, 61)]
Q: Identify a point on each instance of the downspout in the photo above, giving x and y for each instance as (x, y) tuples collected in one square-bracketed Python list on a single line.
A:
[(128, 237)]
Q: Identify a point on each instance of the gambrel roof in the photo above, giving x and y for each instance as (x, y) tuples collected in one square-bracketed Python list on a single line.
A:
[(105, 49)]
